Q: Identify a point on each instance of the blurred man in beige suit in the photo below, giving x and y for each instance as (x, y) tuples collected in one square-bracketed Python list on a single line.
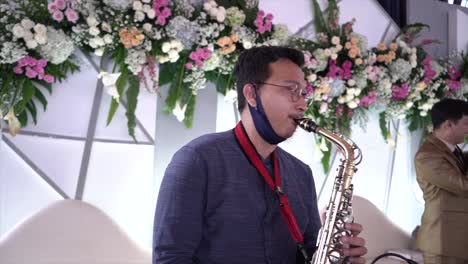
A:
[(441, 169)]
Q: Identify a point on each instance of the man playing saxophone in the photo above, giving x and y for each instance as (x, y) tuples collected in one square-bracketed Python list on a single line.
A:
[(234, 196)]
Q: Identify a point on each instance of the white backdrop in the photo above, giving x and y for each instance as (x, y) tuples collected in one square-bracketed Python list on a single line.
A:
[(71, 154)]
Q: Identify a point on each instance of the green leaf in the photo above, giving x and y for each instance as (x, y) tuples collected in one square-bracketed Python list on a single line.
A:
[(41, 98), (223, 83), (120, 83), (320, 24), (28, 93), (189, 111), (32, 109), (333, 17), (166, 73), (175, 90), (23, 118), (383, 126), (326, 158), (132, 100)]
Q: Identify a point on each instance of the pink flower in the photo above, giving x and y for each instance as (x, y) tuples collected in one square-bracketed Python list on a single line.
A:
[(40, 76), (310, 89), (161, 20), (71, 15), (23, 62), (263, 24), (166, 12), (49, 78), (42, 63), (31, 73), (60, 4), (38, 69), (31, 61), (52, 7), (18, 70), (400, 92), (369, 99), (323, 108), (188, 66), (453, 85), (57, 16)]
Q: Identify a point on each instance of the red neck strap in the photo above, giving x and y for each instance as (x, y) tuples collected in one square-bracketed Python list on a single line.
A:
[(275, 186)]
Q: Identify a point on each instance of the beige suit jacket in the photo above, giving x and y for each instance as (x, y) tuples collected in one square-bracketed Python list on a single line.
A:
[(444, 182)]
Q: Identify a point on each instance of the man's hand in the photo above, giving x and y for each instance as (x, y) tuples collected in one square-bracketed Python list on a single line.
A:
[(354, 246)]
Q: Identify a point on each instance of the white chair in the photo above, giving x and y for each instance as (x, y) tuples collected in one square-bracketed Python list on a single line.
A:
[(70, 232), (381, 234)]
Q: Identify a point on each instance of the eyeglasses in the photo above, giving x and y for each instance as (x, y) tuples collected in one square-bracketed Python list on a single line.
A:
[(297, 92)]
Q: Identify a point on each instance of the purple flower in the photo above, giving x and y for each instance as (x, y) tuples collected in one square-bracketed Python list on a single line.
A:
[(400, 92)]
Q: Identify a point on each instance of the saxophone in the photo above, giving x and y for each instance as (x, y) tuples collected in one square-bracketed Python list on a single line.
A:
[(339, 209)]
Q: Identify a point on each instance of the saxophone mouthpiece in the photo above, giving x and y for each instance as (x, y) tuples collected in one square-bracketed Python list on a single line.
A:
[(307, 124)]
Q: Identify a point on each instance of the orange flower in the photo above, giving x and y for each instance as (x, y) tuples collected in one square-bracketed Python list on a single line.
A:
[(358, 61), (131, 38), (393, 46), (354, 41), (388, 59), (227, 44), (348, 45), (380, 58), (392, 54), (352, 53), (234, 38), (381, 46)]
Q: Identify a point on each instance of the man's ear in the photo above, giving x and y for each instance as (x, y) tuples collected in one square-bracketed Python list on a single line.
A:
[(250, 94)]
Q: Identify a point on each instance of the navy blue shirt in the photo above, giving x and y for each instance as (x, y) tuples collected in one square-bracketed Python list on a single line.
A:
[(214, 207)]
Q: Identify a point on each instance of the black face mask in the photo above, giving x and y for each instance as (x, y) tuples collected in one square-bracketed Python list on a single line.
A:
[(262, 124)]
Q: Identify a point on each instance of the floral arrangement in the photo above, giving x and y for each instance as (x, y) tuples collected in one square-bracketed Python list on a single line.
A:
[(411, 81), (33, 55), (185, 43), (399, 80)]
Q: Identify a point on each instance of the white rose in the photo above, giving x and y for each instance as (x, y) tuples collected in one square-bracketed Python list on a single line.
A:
[(177, 45), (352, 104), (94, 31), (31, 44), (335, 40), (106, 27), (408, 105), (351, 82), (220, 17), (173, 53), (27, 24), (146, 8), (40, 29), (247, 44), (18, 31), (108, 39), (349, 95), (92, 43), (312, 77), (423, 113), (147, 27), (339, 47), (357, 91), (40, 38), (99, 52), (341, 100), (327, 52), (91, 20), (174, 58), (137, 5), (166, 46), (146, 1), (151, 14), (207, 6), (334, 56), (139, 16), (28, 35), (163, 59), (100, 41)]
